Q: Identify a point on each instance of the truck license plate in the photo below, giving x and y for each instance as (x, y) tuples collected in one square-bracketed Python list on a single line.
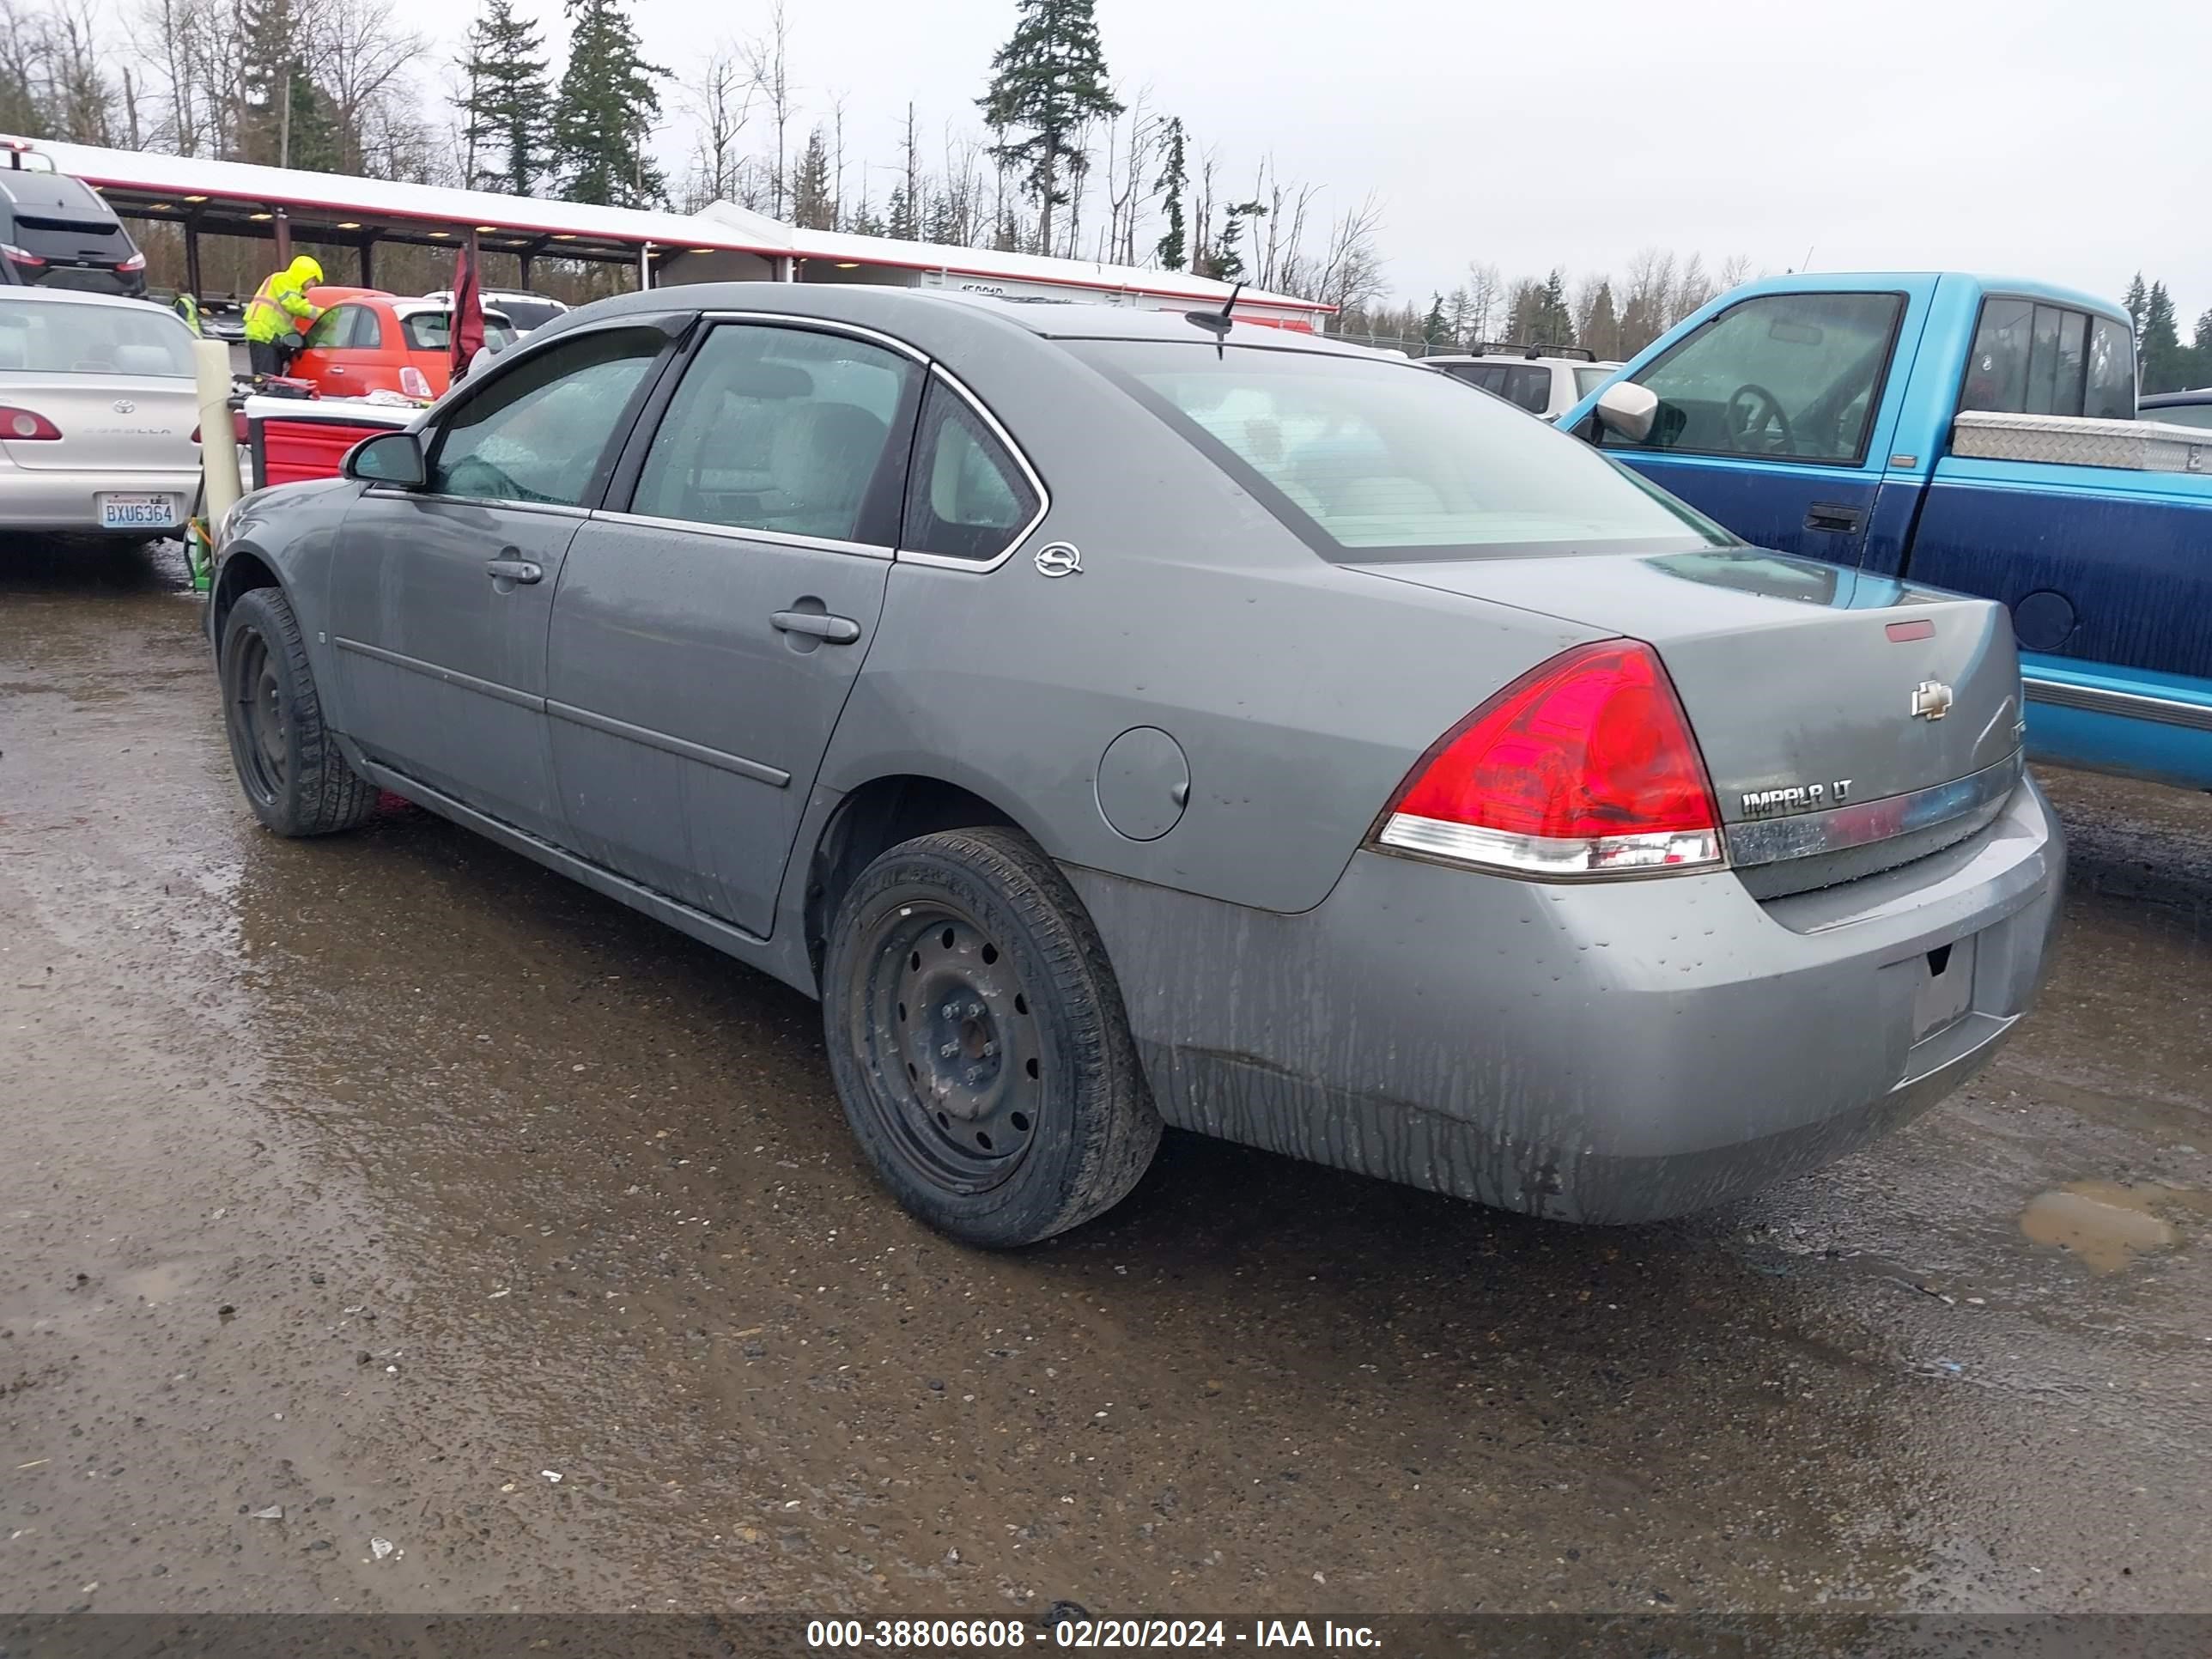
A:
[(1945, 997), (137, 512)]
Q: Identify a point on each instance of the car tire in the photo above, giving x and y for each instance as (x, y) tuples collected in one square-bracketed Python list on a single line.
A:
[(978, 1040), (289, 767)]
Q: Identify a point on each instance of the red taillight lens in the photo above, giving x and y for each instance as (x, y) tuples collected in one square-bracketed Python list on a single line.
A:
[(20, 256), (414, 382), (135, 261), (26, 425), (1584, 766)]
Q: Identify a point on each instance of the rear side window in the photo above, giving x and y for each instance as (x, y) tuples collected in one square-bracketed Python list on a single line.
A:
[(2032, 358), (967, 497), (785, 430), (53, 338), (1788, 376), (1588, 381), (1530, 386)]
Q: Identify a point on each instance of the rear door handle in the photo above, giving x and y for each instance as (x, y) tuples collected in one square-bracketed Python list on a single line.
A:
[(831, 630), (1835, 516), (514, 570)]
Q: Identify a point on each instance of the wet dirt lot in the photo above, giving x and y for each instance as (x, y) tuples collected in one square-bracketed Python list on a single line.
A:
[(512, 1247)]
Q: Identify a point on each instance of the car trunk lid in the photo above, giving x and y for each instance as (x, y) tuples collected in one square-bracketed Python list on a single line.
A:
[(1838, 713), (118, 423)]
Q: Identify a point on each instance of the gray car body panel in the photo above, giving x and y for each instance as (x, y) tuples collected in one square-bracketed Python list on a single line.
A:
[(1285, 987)]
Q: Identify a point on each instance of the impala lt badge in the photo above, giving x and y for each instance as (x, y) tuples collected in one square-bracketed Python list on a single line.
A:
[(1795, 798), (1931, 699)]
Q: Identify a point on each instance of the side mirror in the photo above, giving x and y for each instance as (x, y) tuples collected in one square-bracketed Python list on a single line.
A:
[(1629, 410), (391, 458), (481, 360)]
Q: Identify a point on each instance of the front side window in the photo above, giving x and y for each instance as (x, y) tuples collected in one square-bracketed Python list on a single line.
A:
[(1370, 460), (1789, 376), (966, 497), (538, 433), (59, 338), (783, 429), (2030, 357)]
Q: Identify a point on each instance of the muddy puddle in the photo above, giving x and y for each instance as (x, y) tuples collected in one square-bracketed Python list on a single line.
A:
[(2110, 1224)]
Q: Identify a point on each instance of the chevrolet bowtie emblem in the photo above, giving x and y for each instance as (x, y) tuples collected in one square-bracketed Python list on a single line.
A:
[(1931, 699)]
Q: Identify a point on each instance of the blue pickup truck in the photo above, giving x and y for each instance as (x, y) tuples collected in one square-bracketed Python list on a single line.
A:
[(1965, 433)]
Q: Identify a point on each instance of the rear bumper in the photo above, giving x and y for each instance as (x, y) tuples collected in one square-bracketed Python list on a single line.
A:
[(68, 501), (1612, 1051)]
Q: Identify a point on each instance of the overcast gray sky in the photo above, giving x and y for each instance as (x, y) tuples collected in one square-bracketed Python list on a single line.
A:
[(2067, 141)]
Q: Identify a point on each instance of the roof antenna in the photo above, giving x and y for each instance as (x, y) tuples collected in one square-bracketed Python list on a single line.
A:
[(1216, 323)]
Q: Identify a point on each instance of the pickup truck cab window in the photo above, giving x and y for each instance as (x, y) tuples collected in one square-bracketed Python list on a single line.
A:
[(1786, 376), (2030, 357)]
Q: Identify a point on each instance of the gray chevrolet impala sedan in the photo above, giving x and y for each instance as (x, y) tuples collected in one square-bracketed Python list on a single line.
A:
[(1119, 719)]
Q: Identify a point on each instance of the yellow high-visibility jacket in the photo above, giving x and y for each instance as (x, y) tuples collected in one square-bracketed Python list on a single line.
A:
[(269, 312)]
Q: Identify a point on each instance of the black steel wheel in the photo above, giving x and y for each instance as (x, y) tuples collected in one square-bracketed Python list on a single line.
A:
[(289, 766), (979, 1043)]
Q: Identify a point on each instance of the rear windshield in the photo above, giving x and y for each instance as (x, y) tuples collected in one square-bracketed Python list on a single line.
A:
[(137, 339), (59, 218), (432, 331), (1370, 460), (531, 314)]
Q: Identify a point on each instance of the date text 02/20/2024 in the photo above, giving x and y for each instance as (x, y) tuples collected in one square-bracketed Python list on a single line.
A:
[(1085, 1632)]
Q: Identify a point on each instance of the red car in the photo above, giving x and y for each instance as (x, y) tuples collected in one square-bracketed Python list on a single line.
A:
[(368, 340)]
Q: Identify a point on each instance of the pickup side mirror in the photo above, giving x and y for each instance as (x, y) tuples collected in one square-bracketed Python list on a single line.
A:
[(1629, 410), (390, 458)]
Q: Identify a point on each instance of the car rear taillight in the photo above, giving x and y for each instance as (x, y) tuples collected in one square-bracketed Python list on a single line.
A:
[(414, 382), (19, 256), (26, 425), (135, 261), (1584, 766)]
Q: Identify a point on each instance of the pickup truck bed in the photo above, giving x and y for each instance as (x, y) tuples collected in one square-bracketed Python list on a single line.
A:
[(1869, 421)]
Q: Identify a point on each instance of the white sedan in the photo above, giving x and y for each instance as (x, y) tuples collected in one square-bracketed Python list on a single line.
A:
[(99, 416)]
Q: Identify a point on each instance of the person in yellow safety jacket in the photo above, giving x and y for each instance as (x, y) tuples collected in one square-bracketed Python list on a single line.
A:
[(271, 336)]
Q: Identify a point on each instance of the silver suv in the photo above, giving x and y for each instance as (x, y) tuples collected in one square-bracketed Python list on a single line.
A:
[(1545, 380)]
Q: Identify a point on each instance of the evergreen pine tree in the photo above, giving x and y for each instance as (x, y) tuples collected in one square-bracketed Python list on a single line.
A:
[(605, 110), (813, 193), (1227, 261), (2137, 303), (1602, 336), (506, 112), (2200, 352), (1173, 250), (2160, 357), (1554, 322), (1435, 330), (1049, 79), (312, 142), (272, 44)]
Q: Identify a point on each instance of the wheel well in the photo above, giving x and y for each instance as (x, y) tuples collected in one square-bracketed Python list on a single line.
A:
[(874, 818), (241, 573)]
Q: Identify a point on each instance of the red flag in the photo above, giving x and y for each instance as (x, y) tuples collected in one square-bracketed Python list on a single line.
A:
[(468, 330)]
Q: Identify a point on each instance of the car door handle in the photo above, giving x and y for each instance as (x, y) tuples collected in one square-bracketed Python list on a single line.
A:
[(831, 630), (334, 369), (514, 570), (1835, 516)]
